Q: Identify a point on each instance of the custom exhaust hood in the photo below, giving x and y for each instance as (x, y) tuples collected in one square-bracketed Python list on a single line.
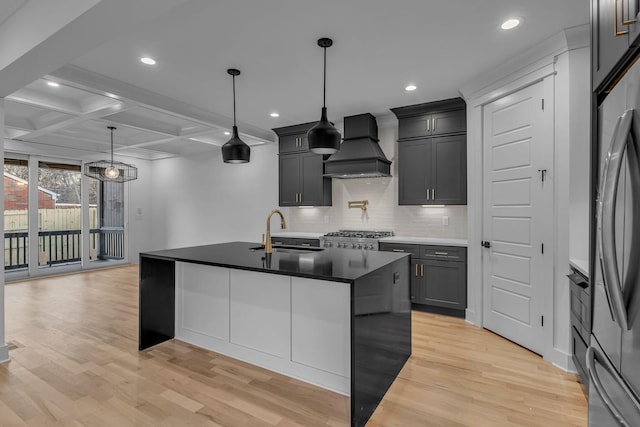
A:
[(359, 156)]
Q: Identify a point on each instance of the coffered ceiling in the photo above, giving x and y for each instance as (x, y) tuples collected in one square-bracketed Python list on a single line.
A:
[(183, 104)]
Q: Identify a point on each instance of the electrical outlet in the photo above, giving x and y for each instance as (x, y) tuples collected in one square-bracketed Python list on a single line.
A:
[(445, 220), (326, 219)]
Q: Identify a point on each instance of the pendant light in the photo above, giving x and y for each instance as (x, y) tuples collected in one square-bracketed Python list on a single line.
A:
[(235, 150), (109, 170), (323, 137)]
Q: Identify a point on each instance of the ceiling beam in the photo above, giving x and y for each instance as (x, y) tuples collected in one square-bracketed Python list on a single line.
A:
[(44, 35), (91, 115), (87, 80)]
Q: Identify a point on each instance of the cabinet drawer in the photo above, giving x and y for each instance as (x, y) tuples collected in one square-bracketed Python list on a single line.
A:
[(451, 253), (294, 241), (414, 250)]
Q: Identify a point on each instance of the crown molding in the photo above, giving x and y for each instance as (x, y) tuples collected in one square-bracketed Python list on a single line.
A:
[(529, 61)]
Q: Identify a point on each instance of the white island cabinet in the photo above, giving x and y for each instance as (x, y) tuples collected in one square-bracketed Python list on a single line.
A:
[(297, 326)]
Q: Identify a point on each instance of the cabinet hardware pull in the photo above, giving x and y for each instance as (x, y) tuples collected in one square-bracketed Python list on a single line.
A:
[(300, 197), (434, 125), (433, 194), (427, 194), (428, 124), (305, 244), (416, 270), (442, 253), (398, 250), (278, 243), (422, 270)]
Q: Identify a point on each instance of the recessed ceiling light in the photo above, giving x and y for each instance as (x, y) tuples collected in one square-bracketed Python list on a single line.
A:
[(510, 23), (274, 114), (53, 84), (411, 88), (227, 133), (147, 60)]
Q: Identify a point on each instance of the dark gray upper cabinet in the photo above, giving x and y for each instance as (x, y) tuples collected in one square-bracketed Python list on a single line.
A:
[(433, 118), (615, 31), (433, 124), (301, 180), (432, 168), (433, 171), (296, 143)]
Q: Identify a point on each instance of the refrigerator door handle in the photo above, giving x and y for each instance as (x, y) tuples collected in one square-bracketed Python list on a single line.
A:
[(594, 355), (607, 217)]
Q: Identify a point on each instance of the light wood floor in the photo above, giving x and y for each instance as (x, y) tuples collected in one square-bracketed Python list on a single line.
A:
[(74, 362)]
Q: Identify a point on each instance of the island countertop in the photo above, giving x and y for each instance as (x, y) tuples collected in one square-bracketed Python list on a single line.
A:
[(338, 265)]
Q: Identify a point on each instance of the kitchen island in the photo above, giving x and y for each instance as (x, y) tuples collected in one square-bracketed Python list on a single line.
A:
[(337, 318)]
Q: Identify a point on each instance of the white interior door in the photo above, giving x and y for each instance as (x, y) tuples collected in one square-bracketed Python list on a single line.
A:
[(517, 215)]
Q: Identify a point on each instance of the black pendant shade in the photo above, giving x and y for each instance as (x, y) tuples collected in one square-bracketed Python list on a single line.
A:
[(324, 138), (235, 150)]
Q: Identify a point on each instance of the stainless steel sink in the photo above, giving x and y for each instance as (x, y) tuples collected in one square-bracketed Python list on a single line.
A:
[(290, 249)]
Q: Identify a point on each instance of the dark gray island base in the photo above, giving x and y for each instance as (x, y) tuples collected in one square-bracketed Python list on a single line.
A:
[(380, 307)]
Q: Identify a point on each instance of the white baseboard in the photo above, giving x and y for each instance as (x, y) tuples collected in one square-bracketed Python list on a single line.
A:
[(471, 317), (561, 360), (4, 353)]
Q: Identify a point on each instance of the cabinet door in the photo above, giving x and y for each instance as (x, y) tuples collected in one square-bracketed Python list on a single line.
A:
[(449, 122), (312, 181), (417, 290), (289, 144), (289, 187), (449, 170), (414, 165), (607, 47), (414, 127), (445, 284)]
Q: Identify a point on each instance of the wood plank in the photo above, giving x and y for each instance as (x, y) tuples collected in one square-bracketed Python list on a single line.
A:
[(73, 344)]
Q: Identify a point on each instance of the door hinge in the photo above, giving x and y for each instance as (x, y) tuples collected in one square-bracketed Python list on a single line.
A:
[(542, 320), (542, 248), (542, 104)]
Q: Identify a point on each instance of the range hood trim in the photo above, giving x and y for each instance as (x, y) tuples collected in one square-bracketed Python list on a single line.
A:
[(360, 155)]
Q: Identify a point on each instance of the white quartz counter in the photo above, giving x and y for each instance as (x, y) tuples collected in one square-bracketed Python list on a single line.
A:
[(582, 265), (425, 241), (297, 235)]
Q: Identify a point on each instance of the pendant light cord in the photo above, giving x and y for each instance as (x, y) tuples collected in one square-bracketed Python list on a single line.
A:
[(324, 85), (112, 128), (234, 100)]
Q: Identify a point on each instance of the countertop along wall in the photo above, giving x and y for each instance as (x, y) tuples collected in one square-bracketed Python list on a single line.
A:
[(383, 212)]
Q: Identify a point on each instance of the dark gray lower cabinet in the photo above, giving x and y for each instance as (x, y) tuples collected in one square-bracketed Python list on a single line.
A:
[(438, 277)]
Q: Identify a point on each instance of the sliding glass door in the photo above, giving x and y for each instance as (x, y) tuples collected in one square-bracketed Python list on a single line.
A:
[(59, 214), (72, 221), (16, 214)]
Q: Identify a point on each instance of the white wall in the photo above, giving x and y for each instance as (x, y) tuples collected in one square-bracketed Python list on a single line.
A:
[(139, 211), (580, 103), (383, 212), (198, 200)]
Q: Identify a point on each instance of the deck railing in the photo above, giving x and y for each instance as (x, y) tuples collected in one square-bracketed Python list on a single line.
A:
[(62, 246)]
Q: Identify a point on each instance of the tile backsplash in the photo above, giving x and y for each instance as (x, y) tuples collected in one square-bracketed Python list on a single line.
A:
[(383, 212)]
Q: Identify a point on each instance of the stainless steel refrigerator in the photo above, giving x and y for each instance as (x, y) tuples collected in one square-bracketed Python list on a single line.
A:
[(613, 357)]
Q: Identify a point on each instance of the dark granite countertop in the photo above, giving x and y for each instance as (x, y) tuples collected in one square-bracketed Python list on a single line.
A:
[(339, 265)]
